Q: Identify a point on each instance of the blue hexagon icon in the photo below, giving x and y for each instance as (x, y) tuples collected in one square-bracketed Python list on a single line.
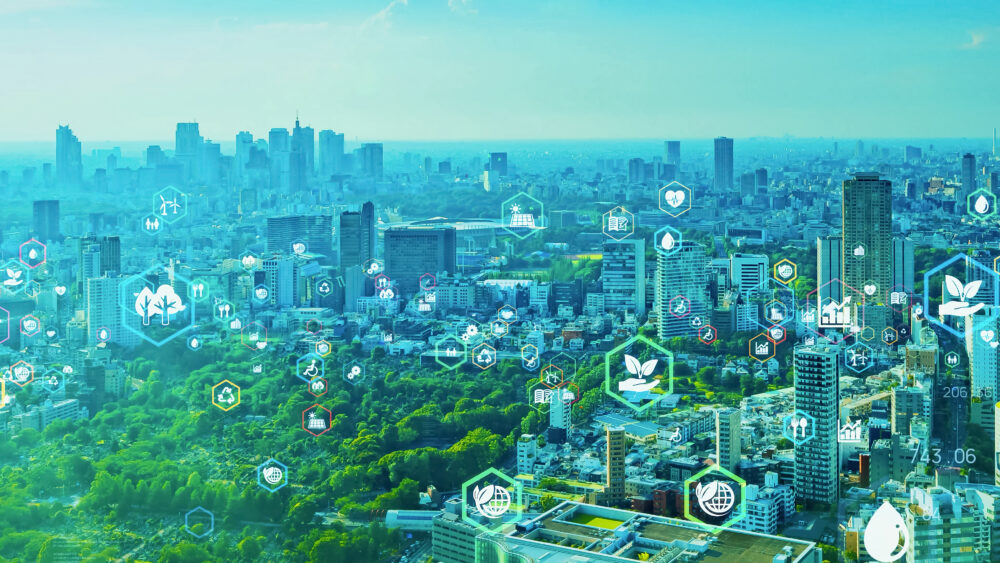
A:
[(309, 367), (154, 305), (715, 498), (272, 475), (638, 379), (522, 215), (53, 381), (196, 520), (15, 276), (799, 427), (858, 357), (667, 240), (170, 205), (961, 298), (492, 500)]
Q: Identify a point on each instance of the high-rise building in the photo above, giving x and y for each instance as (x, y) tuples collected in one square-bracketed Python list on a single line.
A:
[(911, 154), (356, 286), (304, 142), (942, 527), (244, 142), (279, 152), (984, 360), (98, 256), (498, 163), (968, 179), (371, 160), (636, 171), (681, 290), (69, 162), (829, 267), (316, 231), (623, 275), (867, 248), (187, 148), (760, 178), (413, 251), (103, 312), (614, 487), (902, 264), (672, 152), (527, 452), (728, 438), (996, 444), (281, 275), (817, 375), (356, 232), (723, 164), (331, 153), (748, 272), (45, 220), (560, 412)]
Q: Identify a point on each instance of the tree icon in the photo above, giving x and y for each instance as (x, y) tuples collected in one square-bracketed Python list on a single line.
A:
[(163, 302)]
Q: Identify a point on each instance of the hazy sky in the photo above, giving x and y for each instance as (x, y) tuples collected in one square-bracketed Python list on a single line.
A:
[(500, 69)]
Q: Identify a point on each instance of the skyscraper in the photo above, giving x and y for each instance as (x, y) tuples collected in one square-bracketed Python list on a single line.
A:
[(69, 163), (357, 236), (866, 211), (304, 141), (559, 411), (623, 275), (728, 437), (45, 220), (984, 360), (614, 488), (244, 142), (411, 252), (98, 256), (102, 296), (817, 376), (902, 263), (968, 179), (187, 148), (371, 160), (941, 527), (672, 152), (829, 267), (682, 274), (748, 272), (723, 164), (498, 163), (316, 231), (279, 152), (331, 153)]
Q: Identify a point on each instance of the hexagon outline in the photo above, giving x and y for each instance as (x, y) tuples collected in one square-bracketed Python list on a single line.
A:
[(715, 468), (770, 335), (464, 354), (770, 344), (716, 337), (506, 307), (45, 384), (310, 356), (687, 199), (547, 371), (669, 372), (777, 278), (420, 281), (534, 355), (326, 387), (165, 202), (125, 310), (150, 221), (894, 339), (606, 222), (284, 475), (38, 325), (244, 337), (320, 285), (20, 252), (329, 419), (211, 526), (968, 259), (16, 264), (531, 230), (256, 294), (329, 348), (785, 423), (354, 380), (516, 501), (868, 365), (238, 398), (481, 349), (983, 192), (660, 235)]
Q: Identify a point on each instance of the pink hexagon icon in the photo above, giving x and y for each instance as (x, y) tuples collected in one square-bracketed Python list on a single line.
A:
[(32, 253), (103, 334), (30, 325), (314, 326), (254, 336), (22, 373), (427, 282), (317, 419), (5, 324), (680, 306)]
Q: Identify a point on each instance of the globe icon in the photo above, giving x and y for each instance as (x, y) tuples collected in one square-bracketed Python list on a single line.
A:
[(716, 498)]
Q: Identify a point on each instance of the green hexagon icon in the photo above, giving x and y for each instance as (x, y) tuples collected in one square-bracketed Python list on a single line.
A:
[(522, 215), (638, 378), (716, 498), (981, 204), (492, 500), (453, 353)]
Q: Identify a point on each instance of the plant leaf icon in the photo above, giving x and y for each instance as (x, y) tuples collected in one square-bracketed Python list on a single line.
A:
[(482, 495), (632, 365), (971, 289), (648, 367), (954, 286)]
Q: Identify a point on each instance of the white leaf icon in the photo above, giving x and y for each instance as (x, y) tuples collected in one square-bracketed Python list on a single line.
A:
[(972, 288), (954, 286), (632, 365), (705, 492), (648, 367), (483, 495)]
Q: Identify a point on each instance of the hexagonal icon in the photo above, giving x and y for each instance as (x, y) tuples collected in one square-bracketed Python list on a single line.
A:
[(309, 367), (250, 261), (777, 334), (425, 302), (529, 357), (996, 264), (962, 297), (151, 224), (195, 342), (51, 333), (199, 290), (981, 204), (498, 329), (427, 282), (618, 223), (871, 291), (838, 308), (667, 240), (14, 276), (32, 289), (451, 351), (30, 325), (638, 373), (799, 427), (568, 393), (236, 324), (199, 522), (719, 498), (53, 381), (323, 348), (261, 293), (674, 199), (354, 372), (154, 305), (313, 326), (32, 253), (298, 246), (708, 334), (317, 419), (867, 334), (324, 287), (899, 298), (762, 348), (776, 312), (952, 359), (551, 376), (539, 396), (522, 215), (785, 271), (566, 363), (272, 475), (373, 267), (22, 373), (223, 311), (889, 336), (318, 387), (484, 356), (170, 204), (492, 500), (507, 314), (4, 325), (858, 357), (680, 306), (696, 322), (102, 334), (254, 335), (226, 395)]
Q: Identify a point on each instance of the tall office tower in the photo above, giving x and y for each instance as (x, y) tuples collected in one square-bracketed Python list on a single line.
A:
[(560, 411), (244, 142), (281, 275), (728, 438), (357, 236), (636, 171), (951, 533), (331, 153), (69, 162), (829, 267), (748, 184), (187, 147), (672, 152), (411, 252), (681, 290), (355, 287), (614, 487), (623, 275), (102, 295), (908, 401), (279, 151), (911, 154), (817, 375), (968, 179), (984, 360), (866, 211), (371, 160), (98, 256), (498, 163), (210, 163), (527, 452), (316, 231), (45, 220), (155, 156), (902, 264), (760, 177), (304, 141), (973, 273), (723, 164), (748, 272)]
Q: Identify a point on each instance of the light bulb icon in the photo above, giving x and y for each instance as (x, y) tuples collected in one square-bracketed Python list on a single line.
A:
[(886, 537)]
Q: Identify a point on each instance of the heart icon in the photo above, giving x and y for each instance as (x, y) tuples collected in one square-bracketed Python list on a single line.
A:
[(50, 333), (674, 198), (260, 345), (986, 335), (870, 289), (60, 290), (994, 344)]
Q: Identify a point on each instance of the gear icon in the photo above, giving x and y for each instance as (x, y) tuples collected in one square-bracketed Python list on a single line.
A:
[(472, 330)]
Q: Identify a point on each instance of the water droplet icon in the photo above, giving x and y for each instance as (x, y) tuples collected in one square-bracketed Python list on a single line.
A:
[(886, 537), (668, 242), (34, 253), (194, 343), (982, 205)]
